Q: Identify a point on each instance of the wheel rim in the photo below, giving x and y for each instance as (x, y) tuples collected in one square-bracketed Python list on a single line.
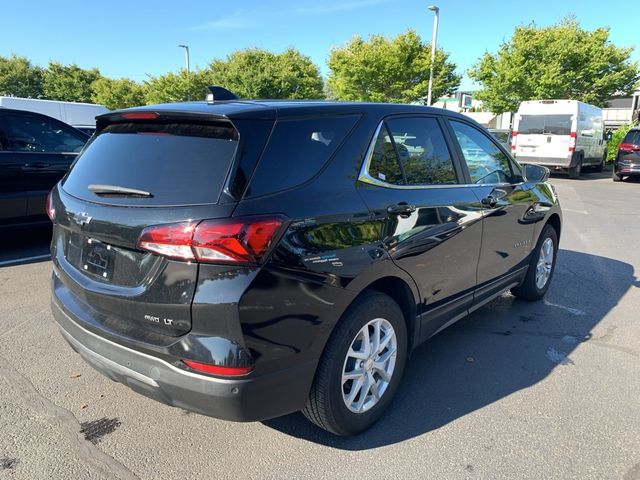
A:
[(545, 263), (369, 365)]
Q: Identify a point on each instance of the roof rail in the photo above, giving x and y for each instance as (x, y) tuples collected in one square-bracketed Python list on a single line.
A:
[(218, 93)]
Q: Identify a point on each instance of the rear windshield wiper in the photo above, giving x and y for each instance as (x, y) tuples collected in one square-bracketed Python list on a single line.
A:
[(117, 190)]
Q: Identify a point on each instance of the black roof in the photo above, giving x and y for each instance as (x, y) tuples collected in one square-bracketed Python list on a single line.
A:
[(284, 108)]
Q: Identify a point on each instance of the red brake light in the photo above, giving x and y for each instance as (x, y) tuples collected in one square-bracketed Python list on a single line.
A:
[(628, 147), (241, 240), (218, 370), (140, 116), (572, 142), (514, 134), (51, 212)]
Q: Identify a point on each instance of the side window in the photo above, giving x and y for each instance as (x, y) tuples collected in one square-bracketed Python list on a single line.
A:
[(412, 151), (422, 150), (297, 150), (384, 164), (486, 162), (33, 134)]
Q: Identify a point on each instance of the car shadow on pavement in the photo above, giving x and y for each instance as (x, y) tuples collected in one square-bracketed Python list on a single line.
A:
[(506, 346)]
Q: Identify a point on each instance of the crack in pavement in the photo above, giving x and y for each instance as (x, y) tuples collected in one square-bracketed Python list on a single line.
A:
[(66, 423)]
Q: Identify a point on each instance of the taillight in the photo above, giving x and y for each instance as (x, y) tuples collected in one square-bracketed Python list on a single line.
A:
[(572, 142), (238, 240), (218, 370), (51, 212), (140, 115), (513, 141), (628, 147)]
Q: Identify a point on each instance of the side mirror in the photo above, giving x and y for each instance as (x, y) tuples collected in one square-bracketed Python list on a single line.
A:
[(533, 173)]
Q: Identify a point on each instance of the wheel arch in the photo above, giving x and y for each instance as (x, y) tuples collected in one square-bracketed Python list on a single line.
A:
[(555, 222)]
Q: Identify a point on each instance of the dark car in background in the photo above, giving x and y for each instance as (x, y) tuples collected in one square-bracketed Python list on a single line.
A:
[(248, 259), (627, 162), (35, 153)]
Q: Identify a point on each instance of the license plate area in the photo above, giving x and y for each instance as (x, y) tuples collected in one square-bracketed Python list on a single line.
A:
[(98, 259)]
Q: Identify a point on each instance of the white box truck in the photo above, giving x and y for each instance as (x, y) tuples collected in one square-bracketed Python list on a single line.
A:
[(79, 115), (559, 134)]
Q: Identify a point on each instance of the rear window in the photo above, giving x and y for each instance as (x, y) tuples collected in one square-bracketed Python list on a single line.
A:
[(632, 137), (179, 164), (545, 125), (297, 151)]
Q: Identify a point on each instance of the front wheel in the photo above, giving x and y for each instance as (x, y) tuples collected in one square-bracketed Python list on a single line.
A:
[(541, 267), (361, 366)]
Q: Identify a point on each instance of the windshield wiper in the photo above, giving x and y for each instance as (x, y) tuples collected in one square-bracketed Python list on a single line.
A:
[(117, 190)]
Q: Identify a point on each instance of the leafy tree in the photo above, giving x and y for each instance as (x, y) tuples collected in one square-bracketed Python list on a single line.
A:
[(68, 83), (19, 78), (560, 61), (390, 70), (177, 87), (257, 73), (615, 140), (117, 93)]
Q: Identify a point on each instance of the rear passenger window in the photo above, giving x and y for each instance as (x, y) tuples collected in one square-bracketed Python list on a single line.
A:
[(412, 151), (33, 134), (297, 150)]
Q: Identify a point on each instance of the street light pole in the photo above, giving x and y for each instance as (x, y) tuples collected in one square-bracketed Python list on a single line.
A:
[(434, 39), (186, 51)]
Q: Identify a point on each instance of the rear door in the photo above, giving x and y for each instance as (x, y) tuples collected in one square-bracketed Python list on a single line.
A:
[(508, 207), (178, 169), (544, 136), (431, 225), (44, 148)]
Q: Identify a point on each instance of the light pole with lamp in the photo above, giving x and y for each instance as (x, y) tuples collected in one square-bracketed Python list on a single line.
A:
[(434, 39), (186, 51)]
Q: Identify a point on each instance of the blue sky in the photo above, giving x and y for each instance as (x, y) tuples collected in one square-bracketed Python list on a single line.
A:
[(137, 37)]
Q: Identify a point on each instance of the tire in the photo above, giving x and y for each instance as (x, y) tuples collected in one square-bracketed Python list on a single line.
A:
[(616, 177), (328, 402), (574, 172), (531, 289)]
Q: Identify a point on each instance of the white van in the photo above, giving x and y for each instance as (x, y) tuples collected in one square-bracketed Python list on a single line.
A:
[(79, 115), (559, 134)]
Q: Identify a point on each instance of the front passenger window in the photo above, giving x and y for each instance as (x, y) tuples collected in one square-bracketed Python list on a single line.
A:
[(486, 162), (33, 134)]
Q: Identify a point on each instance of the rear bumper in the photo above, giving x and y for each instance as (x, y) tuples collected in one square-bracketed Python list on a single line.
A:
[(240, 399), (558, 162), (627, 169)]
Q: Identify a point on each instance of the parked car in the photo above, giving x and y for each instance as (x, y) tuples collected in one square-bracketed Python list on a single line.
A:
[(79, 115), (503, 135), (560, 134), (35, 152), (627, 162), (249, 259)]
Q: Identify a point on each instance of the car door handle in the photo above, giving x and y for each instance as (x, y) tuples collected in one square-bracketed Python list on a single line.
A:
[(402, 209), (35, 166)]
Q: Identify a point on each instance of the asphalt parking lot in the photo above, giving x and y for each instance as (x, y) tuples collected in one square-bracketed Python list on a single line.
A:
[(543, 390)]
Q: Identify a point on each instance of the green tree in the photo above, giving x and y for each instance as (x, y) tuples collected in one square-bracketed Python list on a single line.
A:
[(257, 73), (177, 87), (390, 70), (615, 140), (19, 78), (559, 61), (68, 83), (117, 93)]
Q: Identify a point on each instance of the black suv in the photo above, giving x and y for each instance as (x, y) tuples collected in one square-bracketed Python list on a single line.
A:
[(627, 162), (247, 259), (35, 152)]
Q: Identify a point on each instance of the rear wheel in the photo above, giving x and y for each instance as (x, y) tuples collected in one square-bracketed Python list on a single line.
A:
[(541, 267), (616, 177), (361, 366), (574, 172)]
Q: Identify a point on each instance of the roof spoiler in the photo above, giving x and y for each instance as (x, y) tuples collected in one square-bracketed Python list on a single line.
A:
[(218, 93)]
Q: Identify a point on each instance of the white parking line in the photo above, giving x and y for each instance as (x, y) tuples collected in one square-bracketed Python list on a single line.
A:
[(15, 261)]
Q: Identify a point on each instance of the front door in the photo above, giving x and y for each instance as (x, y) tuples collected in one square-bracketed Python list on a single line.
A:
[(431, 225), (508, 208)]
